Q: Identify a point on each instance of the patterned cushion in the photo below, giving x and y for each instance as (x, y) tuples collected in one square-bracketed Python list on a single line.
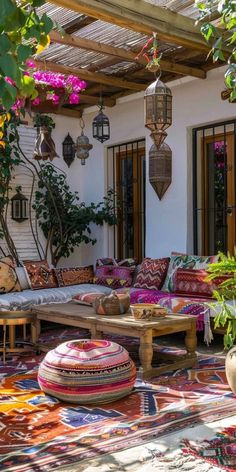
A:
[(192, 282), (152, 273), (74, 276), (114, 276), (87, 371), (185, 261), (40, 275), (8, 278), (87, 298)]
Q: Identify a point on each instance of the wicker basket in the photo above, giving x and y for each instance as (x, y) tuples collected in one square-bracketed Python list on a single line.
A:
[(113, 304)]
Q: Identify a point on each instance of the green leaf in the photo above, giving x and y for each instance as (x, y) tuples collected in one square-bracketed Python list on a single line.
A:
[(233, 95), (27, 85), (48, 23), (23, 52), (208, 30), (8, 7), (9, 67), (218, 55), (6, 94), (5, 44)]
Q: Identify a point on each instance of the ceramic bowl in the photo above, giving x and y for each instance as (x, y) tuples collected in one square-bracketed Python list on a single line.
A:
[(147, 311)]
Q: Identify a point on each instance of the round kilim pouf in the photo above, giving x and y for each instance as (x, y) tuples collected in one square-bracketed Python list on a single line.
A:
[(87, 371)]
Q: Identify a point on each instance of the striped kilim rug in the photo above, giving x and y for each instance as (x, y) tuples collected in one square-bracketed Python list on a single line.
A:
[(39, 433)]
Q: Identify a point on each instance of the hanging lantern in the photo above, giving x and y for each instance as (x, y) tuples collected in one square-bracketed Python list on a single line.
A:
[(19, 207), (82, 145), (160, 168), (44, 145), (158, 99), (68, 150), (101, 126)]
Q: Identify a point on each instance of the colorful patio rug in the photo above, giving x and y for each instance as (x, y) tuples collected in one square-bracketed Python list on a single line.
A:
[(220, 451), (40, 433)]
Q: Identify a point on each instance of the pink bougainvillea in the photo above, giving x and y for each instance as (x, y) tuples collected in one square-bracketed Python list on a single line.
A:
[(52, 81)]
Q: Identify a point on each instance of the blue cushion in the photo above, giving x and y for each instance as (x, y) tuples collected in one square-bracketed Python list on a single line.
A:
[(27, 298)]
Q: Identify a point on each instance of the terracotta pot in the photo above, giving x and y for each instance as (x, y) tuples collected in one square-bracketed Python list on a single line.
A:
[(230, 369)]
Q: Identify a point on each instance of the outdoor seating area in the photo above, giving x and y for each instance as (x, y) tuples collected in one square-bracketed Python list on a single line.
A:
[(117, 236)]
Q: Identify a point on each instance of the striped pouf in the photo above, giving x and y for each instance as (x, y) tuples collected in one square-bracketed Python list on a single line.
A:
[(87, 371)]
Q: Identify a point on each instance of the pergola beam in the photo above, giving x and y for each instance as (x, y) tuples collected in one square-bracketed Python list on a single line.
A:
[(142, 17), (84, 43), (90, 76), (48, 108)]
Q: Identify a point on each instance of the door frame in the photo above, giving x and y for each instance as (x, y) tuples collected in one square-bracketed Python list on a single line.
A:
[(212, 132)]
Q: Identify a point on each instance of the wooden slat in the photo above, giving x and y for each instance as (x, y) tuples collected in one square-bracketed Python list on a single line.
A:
[(143, 17), (90, 76), (123, 54)]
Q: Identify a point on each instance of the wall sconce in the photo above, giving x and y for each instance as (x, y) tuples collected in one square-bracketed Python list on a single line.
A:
[(82, 145), (68, 150), (101, 125), (19, 207)]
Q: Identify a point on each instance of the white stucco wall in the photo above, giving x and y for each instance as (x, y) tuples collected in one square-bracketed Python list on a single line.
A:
[(169, 221)]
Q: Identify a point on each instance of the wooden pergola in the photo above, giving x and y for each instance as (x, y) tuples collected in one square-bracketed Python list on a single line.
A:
[(102, 39)]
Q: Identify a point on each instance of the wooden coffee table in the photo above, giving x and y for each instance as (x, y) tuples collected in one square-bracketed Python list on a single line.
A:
[(73, 314)]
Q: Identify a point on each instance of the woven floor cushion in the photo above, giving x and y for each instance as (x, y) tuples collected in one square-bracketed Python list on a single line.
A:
[(87, 371)]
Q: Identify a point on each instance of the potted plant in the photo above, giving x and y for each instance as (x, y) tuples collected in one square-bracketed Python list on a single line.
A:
[(225, 294), (44, 145)]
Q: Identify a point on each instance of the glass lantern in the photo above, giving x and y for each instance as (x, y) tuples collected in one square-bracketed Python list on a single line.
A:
[(158, 102), (19, 207), (68, 150)]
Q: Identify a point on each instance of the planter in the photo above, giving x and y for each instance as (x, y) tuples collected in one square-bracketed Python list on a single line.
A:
[(230, 369), (44, 145)]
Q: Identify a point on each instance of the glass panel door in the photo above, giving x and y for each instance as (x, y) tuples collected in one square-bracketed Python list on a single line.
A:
[(130, 186)]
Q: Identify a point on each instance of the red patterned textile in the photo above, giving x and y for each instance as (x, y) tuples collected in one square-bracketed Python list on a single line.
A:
[(114, 276), (193, 282), (74, 276), (152, 273), (40, 275)]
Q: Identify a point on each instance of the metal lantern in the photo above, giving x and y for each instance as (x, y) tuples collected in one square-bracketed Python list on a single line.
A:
[(44, 145), (82, 145), (19, 207), (160, 168), (101, 126), (68, 150), (158, 99)]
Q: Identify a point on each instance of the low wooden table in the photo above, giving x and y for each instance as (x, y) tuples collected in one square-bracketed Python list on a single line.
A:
[(73, 314)]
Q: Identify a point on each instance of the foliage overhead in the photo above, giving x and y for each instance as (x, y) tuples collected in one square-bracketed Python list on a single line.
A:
[(221, 38), (226, 266), (22, 34), (65, 221)]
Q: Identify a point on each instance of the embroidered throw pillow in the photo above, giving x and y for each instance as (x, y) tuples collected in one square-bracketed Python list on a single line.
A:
[(114, 276), (74, 275), (87, 298), (8, 278), (40, 275), (192, 282), (184, 261), (152, 273)]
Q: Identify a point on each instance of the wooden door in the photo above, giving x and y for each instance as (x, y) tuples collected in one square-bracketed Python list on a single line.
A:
[(218, 194)]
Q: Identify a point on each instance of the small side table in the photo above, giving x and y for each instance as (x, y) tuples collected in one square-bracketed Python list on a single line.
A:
[(13, 319)]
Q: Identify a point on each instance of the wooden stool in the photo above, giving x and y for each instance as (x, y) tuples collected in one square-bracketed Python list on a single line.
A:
[(13, 319)]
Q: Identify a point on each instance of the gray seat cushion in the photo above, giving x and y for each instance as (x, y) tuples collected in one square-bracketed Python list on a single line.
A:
[(27, 298)]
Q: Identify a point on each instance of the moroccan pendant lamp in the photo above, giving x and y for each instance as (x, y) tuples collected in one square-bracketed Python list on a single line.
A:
[(160, 168), (44, 145), (158, 104)]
